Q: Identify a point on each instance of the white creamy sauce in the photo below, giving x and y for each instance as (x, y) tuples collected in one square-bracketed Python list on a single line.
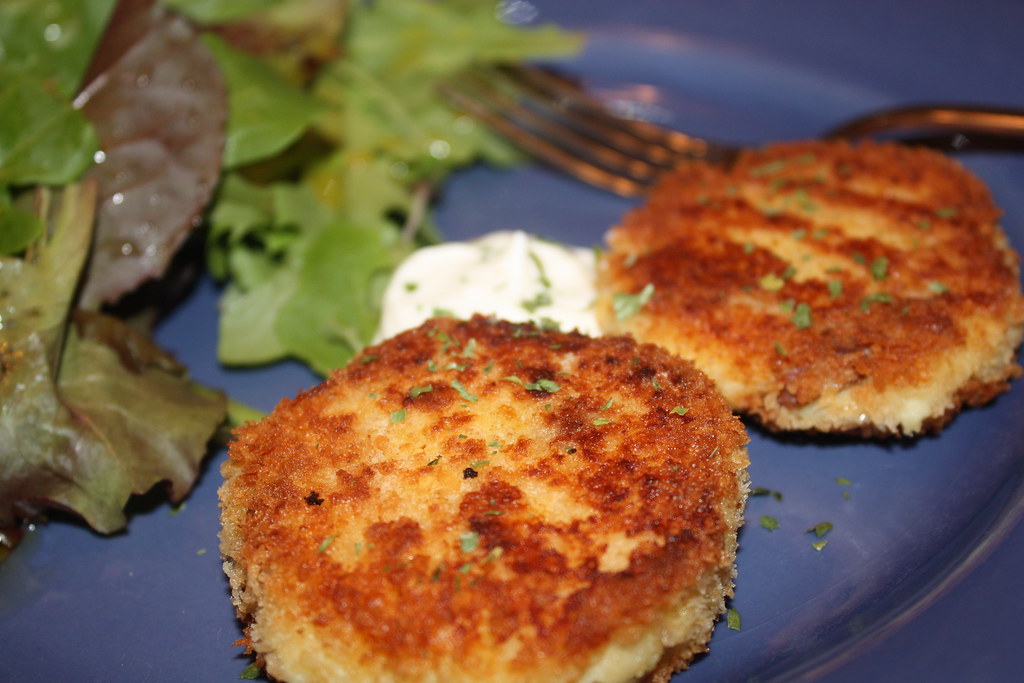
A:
[(509, 274)]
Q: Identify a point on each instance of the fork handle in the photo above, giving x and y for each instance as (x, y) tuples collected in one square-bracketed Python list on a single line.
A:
[(1007, 122)]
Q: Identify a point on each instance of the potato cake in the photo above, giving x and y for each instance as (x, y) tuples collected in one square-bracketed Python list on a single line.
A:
[(482, 500), (825, 285)]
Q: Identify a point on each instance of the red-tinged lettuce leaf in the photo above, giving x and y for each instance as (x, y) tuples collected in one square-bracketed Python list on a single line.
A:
[(93, 411), (141, 420), (158, 103)]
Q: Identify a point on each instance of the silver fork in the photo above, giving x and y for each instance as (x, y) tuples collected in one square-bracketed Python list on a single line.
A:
[(554, 120)]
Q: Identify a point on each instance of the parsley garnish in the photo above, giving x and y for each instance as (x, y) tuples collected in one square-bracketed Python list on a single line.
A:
[(547, 385), (398, 415), (821, 529), (769, 523), (251, 673), (880, 268), (599, 421), (469, 541), (325, 544), (938, 287), (771, 282), (879, 297), (628, 305), (418, 391), (679, 410), (732, 619), (802, 316), (760, 491), (457, 386), (835, 288)]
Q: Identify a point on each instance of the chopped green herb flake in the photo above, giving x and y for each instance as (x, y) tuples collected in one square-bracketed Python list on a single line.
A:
[(771, 282), (630, 260), (761, 491), (419, 391), (821, 529), (835, 288), (442, 313), (843, 481), (369, 358), (780, 349), (802, 316), (654, 383), (679, 410), (768, 168), (434, 462), (513, 378), (482, 463), (938, 287), (470, 349), (732, 619), (769, 523), (877, 297), (924, 224), (469, 541), (608, 405), (859, 258), (251, 673), (547, 385), (325, 544), (398, 415), (411, 286), (819, 545), (544, 281), (748, 247), (457, 386), (599, 421), (798, 234), (495, 552), (431, 366), (456, 366), (946, 212), (880, 268), (628, 305), (541, 299)]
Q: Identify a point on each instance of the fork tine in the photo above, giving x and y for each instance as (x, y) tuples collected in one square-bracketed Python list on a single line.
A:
[(539, 130), (662, 146)]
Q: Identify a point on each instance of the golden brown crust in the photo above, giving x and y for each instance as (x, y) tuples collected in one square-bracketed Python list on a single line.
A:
[(549, 496), (826, 285)]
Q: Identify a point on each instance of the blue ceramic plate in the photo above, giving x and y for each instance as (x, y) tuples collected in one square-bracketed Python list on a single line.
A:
[(919, 574)]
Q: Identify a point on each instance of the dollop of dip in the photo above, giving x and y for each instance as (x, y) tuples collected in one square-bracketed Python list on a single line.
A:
[(509, 274)]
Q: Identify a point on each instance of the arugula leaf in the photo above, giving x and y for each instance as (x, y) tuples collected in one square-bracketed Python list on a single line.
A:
[(42, 139), (267, 113), (50, 43)]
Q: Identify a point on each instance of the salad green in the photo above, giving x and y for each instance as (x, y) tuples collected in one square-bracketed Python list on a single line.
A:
[(301, 140)]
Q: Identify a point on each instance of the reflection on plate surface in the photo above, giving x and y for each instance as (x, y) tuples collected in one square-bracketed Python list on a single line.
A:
[(152, 604)]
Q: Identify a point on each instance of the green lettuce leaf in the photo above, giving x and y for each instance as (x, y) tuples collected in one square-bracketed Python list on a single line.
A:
[(308, 240), (266, 112), (42, 139)]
